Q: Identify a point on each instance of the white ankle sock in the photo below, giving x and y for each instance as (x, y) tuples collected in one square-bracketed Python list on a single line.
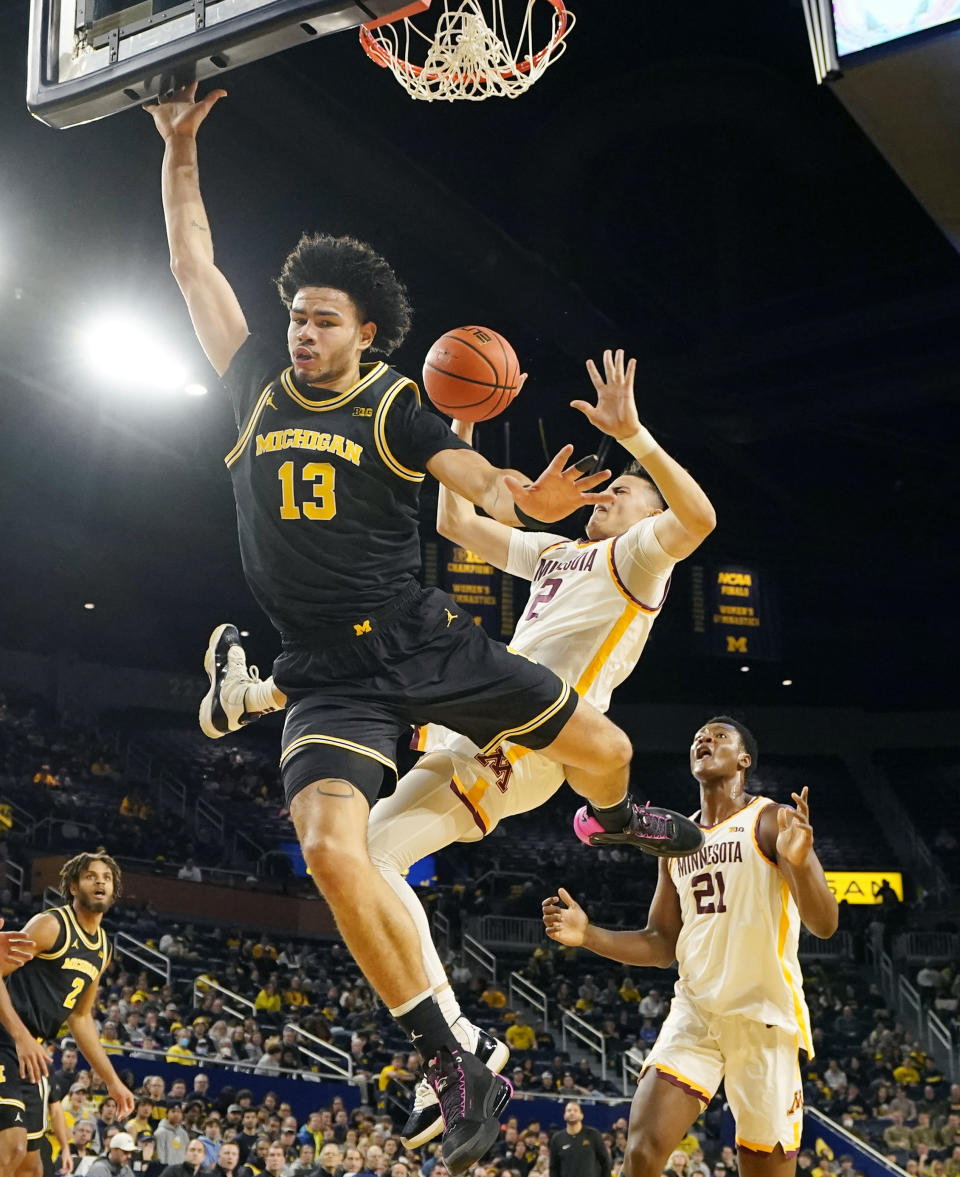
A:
[(264, 696)]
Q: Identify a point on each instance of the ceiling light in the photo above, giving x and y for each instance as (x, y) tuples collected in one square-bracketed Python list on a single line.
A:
[(125, 352)]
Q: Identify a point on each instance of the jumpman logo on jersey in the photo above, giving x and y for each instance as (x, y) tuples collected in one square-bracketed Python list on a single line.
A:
[(18, 1119), (362, 627), (502, 768), (270, 401), (451, 617)]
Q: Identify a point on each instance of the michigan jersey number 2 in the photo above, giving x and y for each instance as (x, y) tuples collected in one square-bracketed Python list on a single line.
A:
[(71, 999), (323, 504)]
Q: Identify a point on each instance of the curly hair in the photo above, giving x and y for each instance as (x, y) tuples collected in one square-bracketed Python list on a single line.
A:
[(74, 867), (352, 266)]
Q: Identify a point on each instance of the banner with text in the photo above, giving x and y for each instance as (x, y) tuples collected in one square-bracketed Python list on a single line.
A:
[(483, 591), (735, 611), (865, 886)]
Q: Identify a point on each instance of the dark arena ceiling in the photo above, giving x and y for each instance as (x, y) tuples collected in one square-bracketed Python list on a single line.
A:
[(676, 185)]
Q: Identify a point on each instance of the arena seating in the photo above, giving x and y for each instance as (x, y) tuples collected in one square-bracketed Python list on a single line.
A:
[(927, 781)]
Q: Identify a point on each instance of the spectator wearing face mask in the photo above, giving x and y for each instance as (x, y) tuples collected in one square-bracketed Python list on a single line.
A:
[(179, 1051)]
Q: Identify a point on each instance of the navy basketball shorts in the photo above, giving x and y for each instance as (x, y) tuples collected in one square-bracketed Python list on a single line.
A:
[(22, 1103), (353, 689)]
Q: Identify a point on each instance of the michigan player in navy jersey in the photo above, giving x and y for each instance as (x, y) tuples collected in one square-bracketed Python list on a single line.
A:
[(592, 605), (57, 984), (330, 454)]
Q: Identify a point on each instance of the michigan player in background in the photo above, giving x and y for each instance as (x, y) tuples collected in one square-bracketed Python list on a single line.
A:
[(57, 984), (730, 915), (592, 605)]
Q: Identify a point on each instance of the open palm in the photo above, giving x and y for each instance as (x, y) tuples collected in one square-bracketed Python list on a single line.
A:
[(566, 924), (795, 834), (180, 113), (559, 490)]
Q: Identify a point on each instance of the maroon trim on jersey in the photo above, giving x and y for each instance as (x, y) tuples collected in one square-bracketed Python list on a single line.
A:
[(667, 1078), (623, 588), (739, 813), (473, 813), (756, 833), (765, 1152)]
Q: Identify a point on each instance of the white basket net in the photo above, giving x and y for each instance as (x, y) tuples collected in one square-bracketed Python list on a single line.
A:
[(470, 55)]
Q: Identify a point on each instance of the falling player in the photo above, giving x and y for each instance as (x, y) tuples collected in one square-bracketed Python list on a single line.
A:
[(326, 473), (730, 915), (592, 604), (57, 984)]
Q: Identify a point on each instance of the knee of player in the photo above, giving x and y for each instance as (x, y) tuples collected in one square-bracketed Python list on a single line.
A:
[(333, 865), (617, 748), (13, 1150), (644, 1155), (382, 854)]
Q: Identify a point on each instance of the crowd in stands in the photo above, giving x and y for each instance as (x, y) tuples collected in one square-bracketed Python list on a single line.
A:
[(195, 1126), (869, 1073)]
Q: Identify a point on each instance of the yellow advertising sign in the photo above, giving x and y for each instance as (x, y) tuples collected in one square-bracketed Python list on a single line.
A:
[(862, 886)]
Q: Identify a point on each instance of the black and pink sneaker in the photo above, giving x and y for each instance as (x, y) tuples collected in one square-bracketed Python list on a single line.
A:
[(660, 832), (471, 1100)]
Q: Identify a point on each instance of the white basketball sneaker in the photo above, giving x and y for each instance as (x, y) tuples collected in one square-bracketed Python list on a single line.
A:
[(223, 709)]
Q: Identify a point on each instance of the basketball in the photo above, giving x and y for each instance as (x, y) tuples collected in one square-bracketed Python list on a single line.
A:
[(471, 373)]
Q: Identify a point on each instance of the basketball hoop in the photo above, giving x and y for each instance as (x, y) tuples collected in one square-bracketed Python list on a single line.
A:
[(470, 54)]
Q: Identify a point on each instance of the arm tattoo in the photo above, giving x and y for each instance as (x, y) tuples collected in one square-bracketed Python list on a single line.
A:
[(498, 487), (199, 227)]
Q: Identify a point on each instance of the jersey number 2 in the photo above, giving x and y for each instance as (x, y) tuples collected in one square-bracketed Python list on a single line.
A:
[(71, 999), (705, 886), (546, 594), (323, 476)]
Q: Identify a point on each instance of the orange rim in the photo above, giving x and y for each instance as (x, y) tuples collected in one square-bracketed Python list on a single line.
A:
[(378, 53)]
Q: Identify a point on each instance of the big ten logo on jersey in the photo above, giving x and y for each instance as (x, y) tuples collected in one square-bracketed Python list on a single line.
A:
[(500, 766), (363, 411)]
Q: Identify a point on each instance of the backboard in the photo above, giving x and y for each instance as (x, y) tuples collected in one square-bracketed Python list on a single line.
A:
[(92, 58)]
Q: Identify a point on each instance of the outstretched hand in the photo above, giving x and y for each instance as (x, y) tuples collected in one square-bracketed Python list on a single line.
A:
[(795, 834), (180, 113), (568, 924), (559, 491), (615, 412)]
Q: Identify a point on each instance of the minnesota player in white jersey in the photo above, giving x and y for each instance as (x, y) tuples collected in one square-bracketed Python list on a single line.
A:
[(730, 915), (592, 605)]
